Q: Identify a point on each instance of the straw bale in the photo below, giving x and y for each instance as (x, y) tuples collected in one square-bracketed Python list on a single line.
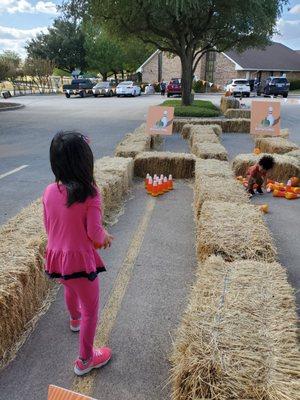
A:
[(217, 188), (209, 150), (234, 231), (294, 153), (233, 125), (179, 165), (236, 125), (228, 102), (23, 285), (285, 166), (237, 113), (237, 339), (277, 145), (284, 133), (203, 138), (212, 168), (114, 177), (189, 129)]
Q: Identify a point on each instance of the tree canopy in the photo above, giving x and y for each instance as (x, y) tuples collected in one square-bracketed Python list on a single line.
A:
[(63, 44), (191, 28)]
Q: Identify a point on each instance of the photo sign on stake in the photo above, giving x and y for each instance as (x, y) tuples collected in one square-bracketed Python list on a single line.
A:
[(160, 120), (57, 393), (265, 118)]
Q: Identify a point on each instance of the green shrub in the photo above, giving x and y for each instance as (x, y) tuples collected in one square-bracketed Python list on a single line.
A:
[(198, 87), (295, 84), (190, 111), (199, 108)]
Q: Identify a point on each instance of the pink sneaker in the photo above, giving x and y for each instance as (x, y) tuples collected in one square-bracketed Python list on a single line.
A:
[(100, 358), (75, 325)]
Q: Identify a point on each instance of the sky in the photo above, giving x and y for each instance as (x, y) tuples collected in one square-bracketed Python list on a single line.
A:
[(21, 20)]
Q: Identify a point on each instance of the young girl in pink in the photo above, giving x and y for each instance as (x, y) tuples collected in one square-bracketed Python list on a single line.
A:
[(72, 218)]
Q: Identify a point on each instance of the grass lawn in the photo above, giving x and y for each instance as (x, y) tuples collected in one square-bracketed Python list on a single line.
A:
[(199, 108), (297, 91)]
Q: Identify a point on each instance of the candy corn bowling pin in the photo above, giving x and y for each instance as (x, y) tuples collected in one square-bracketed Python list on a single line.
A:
[(146, 180), (154, 192), (170, 182), (165, 184), (149, 185), (160, 187)]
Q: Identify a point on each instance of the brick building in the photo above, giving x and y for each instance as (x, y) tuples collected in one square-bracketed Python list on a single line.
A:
[(218, 68)]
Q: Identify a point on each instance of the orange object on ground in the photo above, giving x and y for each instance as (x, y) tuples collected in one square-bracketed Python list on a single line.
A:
[(170, 183), (146, 180), (264, 208), (291, 196), (57, 393), (165, 184), (149, 185), (256, 151), (160, 187), (270, 186), (154, 192), (279, 193)]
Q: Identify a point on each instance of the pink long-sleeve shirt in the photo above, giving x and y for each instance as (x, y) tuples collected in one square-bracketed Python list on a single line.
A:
[(72, 232)]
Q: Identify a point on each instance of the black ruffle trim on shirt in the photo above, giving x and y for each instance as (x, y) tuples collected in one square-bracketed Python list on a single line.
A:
[(82, 274)]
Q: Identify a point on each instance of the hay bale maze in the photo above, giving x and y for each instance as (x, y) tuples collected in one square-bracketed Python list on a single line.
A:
[(137, 142), (209, 150), (238, 335), (189, 130), (180, 165), (23, 284), (114, 177), (295, 153), (276, 145), (238, 113), (234, 231), (232, 125), (228, 103), (284, 133), (285, 166), (207, 188), (213, 168)]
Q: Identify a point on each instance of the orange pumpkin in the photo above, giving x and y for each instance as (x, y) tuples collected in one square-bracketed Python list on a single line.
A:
[(264, 208)]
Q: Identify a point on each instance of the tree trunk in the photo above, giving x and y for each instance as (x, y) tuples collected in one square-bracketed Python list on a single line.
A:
[(186, 78), (104, 76)]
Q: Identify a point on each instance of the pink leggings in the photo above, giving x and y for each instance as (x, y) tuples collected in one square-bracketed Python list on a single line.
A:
[(82, 300)]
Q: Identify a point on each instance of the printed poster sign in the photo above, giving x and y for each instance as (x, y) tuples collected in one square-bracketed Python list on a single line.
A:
[(265, 118), (57, 393), (160, 120)]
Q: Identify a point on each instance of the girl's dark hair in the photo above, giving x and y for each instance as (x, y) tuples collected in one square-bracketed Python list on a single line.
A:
[(267, 162), (72, 163)]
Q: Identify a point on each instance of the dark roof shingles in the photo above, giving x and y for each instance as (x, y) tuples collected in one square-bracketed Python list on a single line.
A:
[(272, 58)]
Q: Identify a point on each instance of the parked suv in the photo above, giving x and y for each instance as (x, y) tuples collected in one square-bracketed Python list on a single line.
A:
[(274, 85), (174, 87), (239, 87)]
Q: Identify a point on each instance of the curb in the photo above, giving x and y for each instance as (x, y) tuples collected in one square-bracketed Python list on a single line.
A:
[(15, 106)]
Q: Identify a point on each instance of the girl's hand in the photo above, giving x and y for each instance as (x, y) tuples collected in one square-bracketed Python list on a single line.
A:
[(108, 240)]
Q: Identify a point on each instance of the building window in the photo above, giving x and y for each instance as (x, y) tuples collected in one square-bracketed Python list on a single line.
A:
[(210, 66)]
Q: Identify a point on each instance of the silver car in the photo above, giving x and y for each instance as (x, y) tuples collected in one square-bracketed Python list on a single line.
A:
[(106, 89)]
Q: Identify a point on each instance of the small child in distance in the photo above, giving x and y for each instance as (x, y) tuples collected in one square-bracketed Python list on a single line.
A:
[(257, 174)]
